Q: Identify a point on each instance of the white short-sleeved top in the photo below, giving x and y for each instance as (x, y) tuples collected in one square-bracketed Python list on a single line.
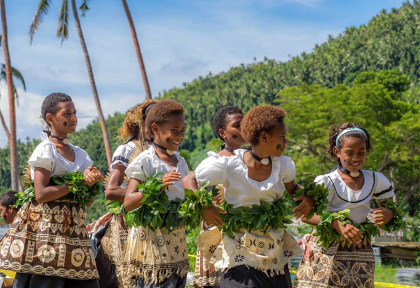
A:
[(122, 154), (148, 164), (46, 156), (241, 190), (340, 197)]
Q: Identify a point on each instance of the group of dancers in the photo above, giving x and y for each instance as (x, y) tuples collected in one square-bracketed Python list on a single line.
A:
[(48, 244)]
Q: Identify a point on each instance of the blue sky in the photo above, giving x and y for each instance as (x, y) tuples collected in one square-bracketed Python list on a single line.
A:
[(180, 40)]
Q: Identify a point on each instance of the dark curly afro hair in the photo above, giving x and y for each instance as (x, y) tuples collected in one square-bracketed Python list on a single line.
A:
[(50, 104), (336, 130), (162, 111), (219, 119), (261, 119)]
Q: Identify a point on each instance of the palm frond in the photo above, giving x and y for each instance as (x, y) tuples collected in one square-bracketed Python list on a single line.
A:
[(84, 8), (38, 17), (16, 74), (63, 21)]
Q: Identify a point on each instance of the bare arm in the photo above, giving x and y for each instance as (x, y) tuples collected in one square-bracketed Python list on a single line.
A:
[(44, 192), (114, 191), (190, 182), (291, 187), (307, 204), (313, 221), (133, 197)]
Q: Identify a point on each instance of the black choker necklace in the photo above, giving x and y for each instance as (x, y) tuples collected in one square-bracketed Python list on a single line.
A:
[(264, 161), (64, 140), (347, 172), (227, 149), (170, 152)]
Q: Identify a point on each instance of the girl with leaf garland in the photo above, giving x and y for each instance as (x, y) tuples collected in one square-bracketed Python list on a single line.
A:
[(227, 126), (339, 253), (157, 257), (255, 247), (111, 246), (48, 244)]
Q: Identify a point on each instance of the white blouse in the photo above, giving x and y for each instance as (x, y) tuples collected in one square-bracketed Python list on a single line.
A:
[(241, 190), (46, 156), (122, 154), (340, 197), (148, 164)]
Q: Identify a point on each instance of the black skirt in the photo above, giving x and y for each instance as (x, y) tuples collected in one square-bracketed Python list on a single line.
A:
[(23, 280), (243, 276), (174, 281)]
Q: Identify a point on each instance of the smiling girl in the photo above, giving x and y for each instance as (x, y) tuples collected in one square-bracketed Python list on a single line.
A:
[(48, 243), (255, 177), (350, 263), (159, 258)]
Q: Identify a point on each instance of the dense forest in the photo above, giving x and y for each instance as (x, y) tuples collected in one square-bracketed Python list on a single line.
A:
[(367, 74)]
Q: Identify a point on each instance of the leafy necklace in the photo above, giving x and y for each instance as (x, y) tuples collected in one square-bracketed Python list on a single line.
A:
[(170, 152), (264, 161)]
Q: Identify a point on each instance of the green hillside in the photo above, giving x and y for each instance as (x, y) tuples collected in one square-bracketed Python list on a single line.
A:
[(367, 74)]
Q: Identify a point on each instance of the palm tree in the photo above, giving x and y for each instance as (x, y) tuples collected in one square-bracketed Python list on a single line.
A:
[(138, 52), (14, 164), (3, 77), (62, 33)]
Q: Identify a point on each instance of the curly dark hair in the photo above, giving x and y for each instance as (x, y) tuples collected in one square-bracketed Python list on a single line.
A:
[(219, 119), (261, 119), (336, 130), (8, 198), (50, 104), (135, 119), (162, 110)]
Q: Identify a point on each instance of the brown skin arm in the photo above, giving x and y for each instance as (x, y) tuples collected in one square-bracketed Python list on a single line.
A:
[(133, 197), (189, 182), (307, 204), (114, 191), (210, 214), (313, 221), (44, 192)]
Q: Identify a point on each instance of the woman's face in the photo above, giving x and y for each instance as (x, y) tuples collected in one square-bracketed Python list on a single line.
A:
[(274, 142), (352, 153), (65, 120), (232, 134), (171, 133)]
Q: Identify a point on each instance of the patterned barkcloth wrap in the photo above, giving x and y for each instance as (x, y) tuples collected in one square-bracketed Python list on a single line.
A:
[(337, 266), (268, 252), (155, 255), (113, 243), (49, 239), (205, 274)]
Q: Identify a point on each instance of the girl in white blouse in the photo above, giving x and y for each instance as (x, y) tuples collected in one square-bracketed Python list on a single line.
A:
[(254, 258), (111, 247), (159, 258), (351, 263), (227, 126), (48, 243)]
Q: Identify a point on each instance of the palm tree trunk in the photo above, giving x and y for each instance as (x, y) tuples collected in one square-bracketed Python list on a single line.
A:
[(6, 130), (14, 164), (92, 84), (138, 52)]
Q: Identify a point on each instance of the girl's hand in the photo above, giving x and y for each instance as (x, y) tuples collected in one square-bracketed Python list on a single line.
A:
[(350, 234), (211, 216), (303, 209), (90, 178), (382, 216), (97, 173), (170, 178)]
